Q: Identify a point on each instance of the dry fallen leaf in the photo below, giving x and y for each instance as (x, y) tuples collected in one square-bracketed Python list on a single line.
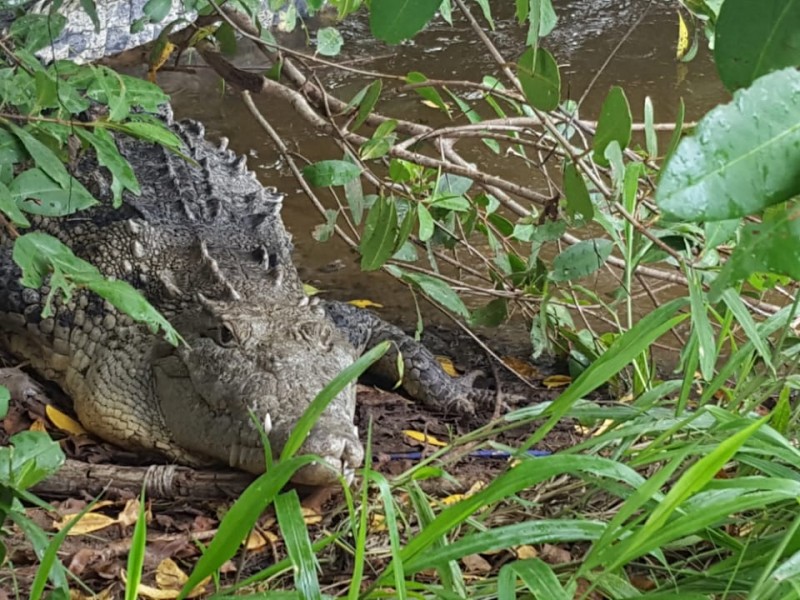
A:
[(554, 555), (476, 565), (105, 594), (364, 303), (89, 522), (424, 438), (64, 422), (555, 381), (447, 365), (38, 425), (521, 367), (130, 514)]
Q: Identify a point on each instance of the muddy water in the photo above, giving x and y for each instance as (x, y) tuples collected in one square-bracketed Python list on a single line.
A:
[(587, 33)]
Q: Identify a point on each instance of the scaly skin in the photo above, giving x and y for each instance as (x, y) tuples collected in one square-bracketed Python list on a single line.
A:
[(207, 247)]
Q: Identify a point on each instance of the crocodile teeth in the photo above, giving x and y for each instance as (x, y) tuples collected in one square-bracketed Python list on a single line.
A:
[(267, 423)]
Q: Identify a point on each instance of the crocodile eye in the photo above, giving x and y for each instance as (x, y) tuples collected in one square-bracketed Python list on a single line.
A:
[(225, 336)]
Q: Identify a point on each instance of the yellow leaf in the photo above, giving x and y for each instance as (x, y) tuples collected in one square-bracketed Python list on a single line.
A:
[(452, 499), (555, 381), (259, 538), (447, 365), (170, 575), (377, 523), (683, 38), (430, 104), (310, 290), (156, 594), (363, 303), (64, 422), (311, 516), (105, 594), (606, 425), (424, 438), (160, 55), (526, 551), (89, 522), (521, 367)]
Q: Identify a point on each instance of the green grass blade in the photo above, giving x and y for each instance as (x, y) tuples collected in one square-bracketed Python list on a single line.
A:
[(540, 579), (137, 552), (624, 350), (49, 565), (693, 480), (241, 517), (328, 393), (394, 535), (524, 475), (508, 536), (298, 546)]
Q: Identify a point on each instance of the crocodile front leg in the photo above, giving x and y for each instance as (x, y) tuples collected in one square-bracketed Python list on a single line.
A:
[(423, 378)]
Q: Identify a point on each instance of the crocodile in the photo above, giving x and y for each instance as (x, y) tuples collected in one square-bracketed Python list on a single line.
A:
[(205, 244)]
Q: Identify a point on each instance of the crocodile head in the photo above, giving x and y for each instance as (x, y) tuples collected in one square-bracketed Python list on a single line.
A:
[(247, 368)]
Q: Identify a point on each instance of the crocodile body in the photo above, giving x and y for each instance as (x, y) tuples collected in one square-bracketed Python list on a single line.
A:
[(207, 247)]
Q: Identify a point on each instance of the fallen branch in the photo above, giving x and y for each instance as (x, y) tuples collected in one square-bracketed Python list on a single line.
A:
[(77, 479)]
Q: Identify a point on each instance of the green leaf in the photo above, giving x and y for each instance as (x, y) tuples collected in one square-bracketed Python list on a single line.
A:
[(44, 157), (614, 124), (578, 200), (157, 10), (331, 172), (5, 397), (769, 247), (429, 93), (152, 132), (743, 157), (426, 225), (109, 156), (90, 9), (35, 31), (329, 41), (367, 103), (581, 259), (436, 289), (37, 193), (46, 90), (9, 206), (456, 203), (39, 254), (30, 457), (540, 79), (491, 315), (380, 232), (755, 38), (109, 87), (396, 20)]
